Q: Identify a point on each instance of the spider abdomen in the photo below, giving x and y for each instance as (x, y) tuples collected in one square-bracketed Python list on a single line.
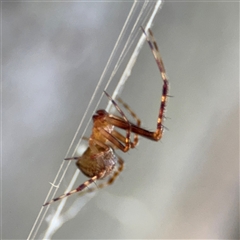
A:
[(97, 163)]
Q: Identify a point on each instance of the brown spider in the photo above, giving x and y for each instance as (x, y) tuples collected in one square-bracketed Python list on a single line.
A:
[(99, 160)]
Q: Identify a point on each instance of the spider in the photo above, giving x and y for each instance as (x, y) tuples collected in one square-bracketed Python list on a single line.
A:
[(99, 160)]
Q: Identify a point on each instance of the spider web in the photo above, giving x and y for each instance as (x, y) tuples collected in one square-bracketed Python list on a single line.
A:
[(121, 61)]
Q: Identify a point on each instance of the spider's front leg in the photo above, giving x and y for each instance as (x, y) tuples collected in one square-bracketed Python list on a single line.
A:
[(157, 134), (154, 48)]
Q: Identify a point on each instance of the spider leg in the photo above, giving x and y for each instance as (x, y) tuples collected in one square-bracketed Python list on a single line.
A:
[(128, 129), (71, 158), (78, 189), (154, 48), (115, 141), (138, 121), (133, 114), (119, 136), (118, 122)]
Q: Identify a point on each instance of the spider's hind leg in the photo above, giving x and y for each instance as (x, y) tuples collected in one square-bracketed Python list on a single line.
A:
[(78, 189)]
